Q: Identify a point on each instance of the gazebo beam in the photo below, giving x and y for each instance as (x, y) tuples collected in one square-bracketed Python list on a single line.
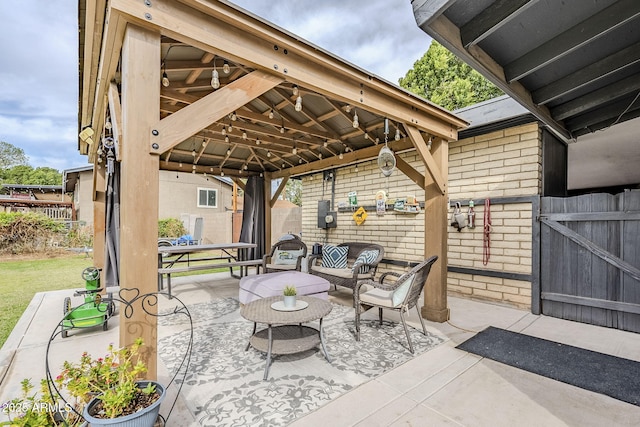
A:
[(435, 240), (139, 191), (423, 151), (253, 43), (186, 122)]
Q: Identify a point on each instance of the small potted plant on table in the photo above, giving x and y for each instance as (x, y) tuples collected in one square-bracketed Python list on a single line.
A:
[(290, 296)]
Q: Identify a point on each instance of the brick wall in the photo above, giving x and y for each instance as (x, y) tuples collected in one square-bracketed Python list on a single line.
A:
[(506, 163)]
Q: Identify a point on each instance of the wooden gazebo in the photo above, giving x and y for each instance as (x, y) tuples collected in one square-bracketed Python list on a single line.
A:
[(204, 87)]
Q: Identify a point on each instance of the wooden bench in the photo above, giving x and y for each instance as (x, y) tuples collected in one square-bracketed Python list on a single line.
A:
[(170, 270)]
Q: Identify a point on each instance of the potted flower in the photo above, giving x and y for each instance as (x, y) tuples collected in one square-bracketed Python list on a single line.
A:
[(110, 388), (106, 391), (290, 296)]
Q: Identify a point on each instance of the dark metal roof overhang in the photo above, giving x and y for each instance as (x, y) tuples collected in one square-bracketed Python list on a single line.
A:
[(574, 64)]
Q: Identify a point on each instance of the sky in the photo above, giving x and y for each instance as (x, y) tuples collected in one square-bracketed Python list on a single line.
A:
[(39, 60)]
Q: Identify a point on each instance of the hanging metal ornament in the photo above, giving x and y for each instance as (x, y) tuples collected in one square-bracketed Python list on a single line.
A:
[(386, 158)]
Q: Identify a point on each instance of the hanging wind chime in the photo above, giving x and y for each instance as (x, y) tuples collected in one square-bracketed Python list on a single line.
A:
[(386, 158)]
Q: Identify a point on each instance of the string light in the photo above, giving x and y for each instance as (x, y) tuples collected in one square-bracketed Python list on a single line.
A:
[(193, 153), (257, 141), (356, 168), (234, 116), (165, 79), (268, 153), (347, 108), (229, 152), (246, 167), (230, 128), (225, 67), (244, 135), (282, 129), (429, 144), (298, 106), (341, 156), (271, 114), (224, 130), (226, 139), (295, 90), (215, 78), (355, 123), (397, 134)]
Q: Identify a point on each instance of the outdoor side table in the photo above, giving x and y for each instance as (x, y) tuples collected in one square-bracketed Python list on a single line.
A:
[(284, 333)]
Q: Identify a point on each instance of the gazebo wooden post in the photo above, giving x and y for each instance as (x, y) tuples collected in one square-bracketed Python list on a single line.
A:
[(267, 212), (140, 186), (99, 215), (435, 240)]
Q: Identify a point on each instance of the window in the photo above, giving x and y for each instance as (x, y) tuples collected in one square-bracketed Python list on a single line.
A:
[(207, 198)]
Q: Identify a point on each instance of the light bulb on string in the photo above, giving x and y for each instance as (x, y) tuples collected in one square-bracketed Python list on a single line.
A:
[(215, 79), (298, 106), (257, 141), (299, 161), (294, 151), (429, 144), (224, 130), (294, 90), (268, 153), (229, 152), (226, 139), (355, 123), (230, 128), (271, 114), (226, 68), (193, 153), (341, 156), (397, 137), (356, 168), (165, 79), (246, 167), (282, 129), (244, 135), (234, 116)]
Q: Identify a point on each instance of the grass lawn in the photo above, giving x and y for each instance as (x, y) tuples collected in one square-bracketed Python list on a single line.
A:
[(22, 279)]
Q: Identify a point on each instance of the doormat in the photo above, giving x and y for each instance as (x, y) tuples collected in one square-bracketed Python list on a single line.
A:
[(601, 373), (224, 385)]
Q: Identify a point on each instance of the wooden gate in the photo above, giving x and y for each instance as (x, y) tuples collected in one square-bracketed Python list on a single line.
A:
[(590, 259)]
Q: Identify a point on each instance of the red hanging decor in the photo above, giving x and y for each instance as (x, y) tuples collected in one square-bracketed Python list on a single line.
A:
[(486, 247)]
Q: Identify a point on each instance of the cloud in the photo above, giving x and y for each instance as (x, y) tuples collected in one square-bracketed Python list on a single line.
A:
[(39, 81)]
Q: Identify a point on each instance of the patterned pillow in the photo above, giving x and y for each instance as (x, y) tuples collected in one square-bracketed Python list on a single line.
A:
[(334, 256), (286, 257), (401, 291), (366, 257)]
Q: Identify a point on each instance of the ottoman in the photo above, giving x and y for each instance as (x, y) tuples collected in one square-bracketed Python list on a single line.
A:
[(272, 284)]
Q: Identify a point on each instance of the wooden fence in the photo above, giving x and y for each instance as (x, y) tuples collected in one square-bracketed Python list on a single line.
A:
[(590, 259)]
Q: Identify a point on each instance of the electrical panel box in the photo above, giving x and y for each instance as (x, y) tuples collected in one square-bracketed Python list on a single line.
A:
[(326, 218)]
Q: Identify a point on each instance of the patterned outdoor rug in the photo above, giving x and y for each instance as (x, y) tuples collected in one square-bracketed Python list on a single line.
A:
[(224, 385)]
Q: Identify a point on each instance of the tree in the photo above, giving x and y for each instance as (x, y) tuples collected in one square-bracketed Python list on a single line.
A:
[(293, 191), (27, 175), (444, 79), (10, 156)]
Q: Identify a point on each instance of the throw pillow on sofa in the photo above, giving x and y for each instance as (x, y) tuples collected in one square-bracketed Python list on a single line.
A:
[(334, 256), (282, 257), (366, 257)]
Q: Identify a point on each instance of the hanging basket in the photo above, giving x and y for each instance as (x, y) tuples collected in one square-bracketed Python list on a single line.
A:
[(386, 161)]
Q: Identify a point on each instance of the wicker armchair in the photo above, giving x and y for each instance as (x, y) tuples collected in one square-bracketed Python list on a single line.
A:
[(401, 295), (355, 271), (285, 255)]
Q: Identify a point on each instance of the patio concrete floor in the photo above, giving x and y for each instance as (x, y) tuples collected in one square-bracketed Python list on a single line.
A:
[(444, 386)]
